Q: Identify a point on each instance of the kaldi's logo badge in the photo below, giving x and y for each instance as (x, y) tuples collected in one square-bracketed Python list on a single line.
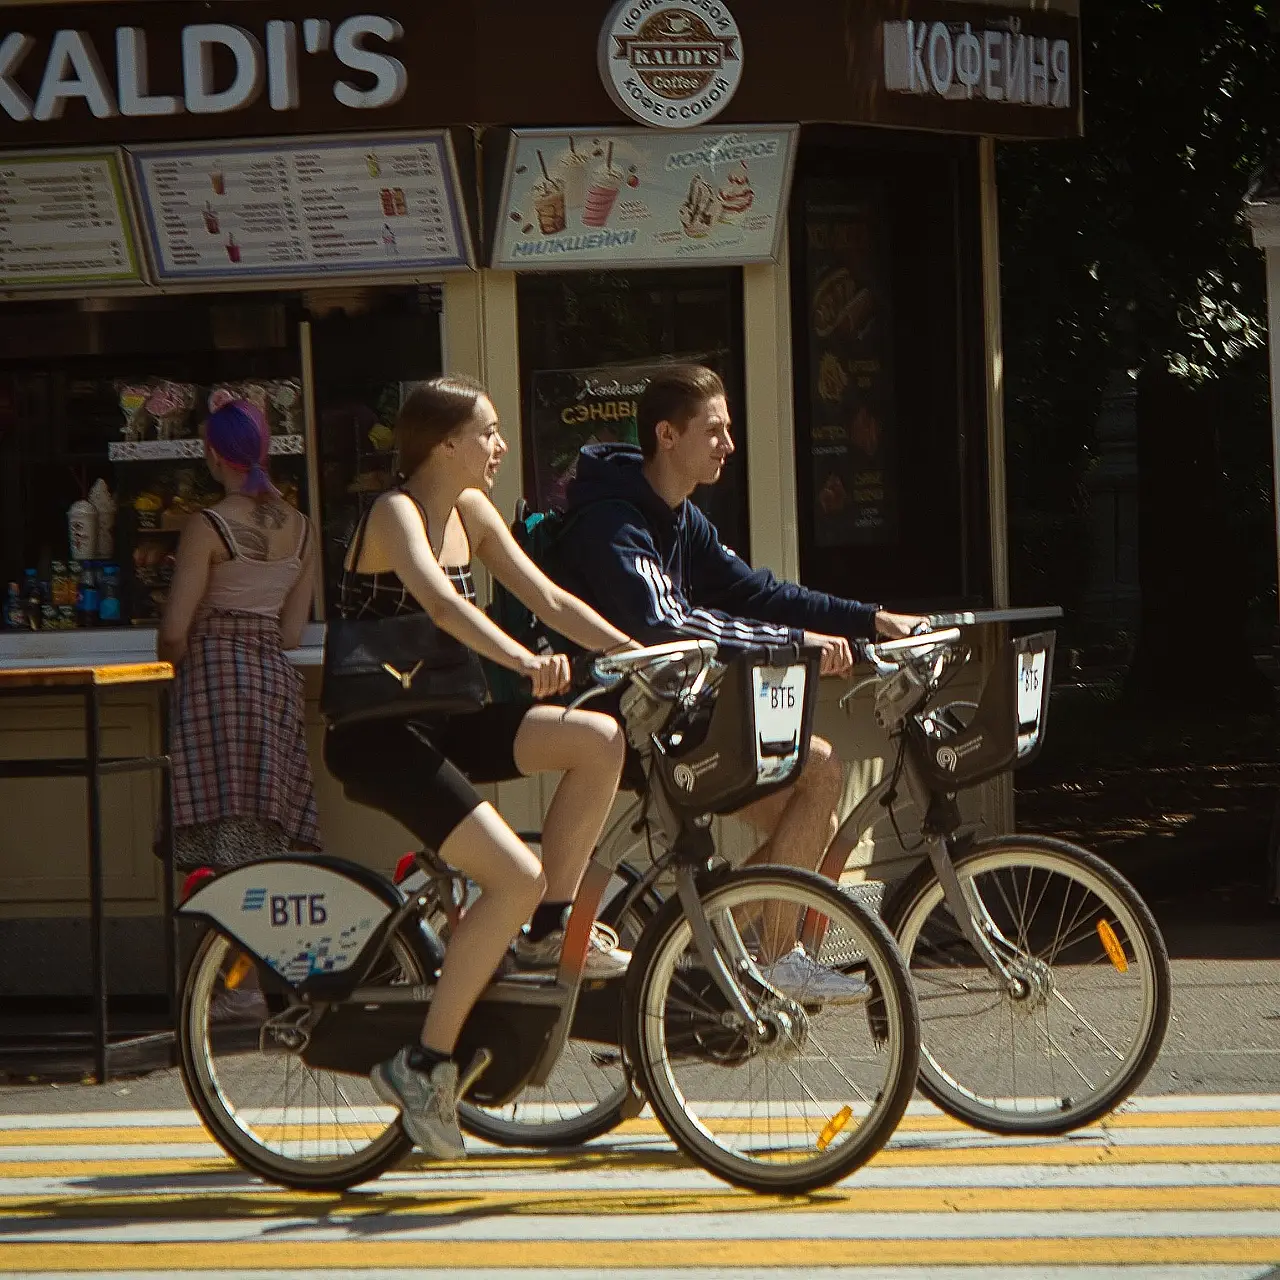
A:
[(75, 70), (672, 64), (997, 63)]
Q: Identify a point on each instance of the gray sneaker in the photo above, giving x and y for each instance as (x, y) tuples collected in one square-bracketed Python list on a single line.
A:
[(605, 957), (799, 977), (428, 1103)]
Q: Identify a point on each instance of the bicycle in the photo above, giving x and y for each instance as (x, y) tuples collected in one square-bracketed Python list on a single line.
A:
[(1042, 978), (343, 964)]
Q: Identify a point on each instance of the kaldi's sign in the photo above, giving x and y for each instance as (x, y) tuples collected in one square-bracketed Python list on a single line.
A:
[(73, 69), (996, 63)]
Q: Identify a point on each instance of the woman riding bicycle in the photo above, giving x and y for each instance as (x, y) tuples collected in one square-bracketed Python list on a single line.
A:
[(418, 544)]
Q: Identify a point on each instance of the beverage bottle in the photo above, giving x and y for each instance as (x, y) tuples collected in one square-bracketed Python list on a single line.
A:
[(15, 612), (58, 583), (109, 596), (31, 598), (87, 598)]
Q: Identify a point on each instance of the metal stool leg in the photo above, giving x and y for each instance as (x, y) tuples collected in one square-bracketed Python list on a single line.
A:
[(97, 894)]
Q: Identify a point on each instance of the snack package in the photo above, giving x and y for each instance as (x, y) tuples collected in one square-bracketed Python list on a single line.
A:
[(285, 407), (169, 406), (133, 404)]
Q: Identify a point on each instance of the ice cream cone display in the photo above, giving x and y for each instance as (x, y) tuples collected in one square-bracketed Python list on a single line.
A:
[(699, 210), (736, 195)]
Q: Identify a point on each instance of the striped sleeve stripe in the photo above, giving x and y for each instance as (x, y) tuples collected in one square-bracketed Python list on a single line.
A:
[(699, 622)]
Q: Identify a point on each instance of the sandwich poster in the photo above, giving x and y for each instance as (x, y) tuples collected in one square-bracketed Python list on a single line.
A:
[(633, 197)]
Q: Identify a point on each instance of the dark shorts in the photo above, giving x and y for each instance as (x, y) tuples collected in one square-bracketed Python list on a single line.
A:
[(425, 775)]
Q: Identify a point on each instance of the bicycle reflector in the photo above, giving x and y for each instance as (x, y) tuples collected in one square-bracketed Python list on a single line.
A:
[(832, 1129), (404, 867), (1111, 945), (194, 880)]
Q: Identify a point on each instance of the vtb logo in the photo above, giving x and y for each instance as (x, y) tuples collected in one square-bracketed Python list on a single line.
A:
[(297, 908)]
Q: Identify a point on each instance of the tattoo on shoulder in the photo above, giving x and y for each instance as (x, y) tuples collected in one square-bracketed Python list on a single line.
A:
[(270, 515)]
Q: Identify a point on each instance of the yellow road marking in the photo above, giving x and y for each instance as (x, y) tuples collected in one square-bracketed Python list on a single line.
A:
[(218, 1206), (600, 1256), (1076, 1153), (642, 1126)]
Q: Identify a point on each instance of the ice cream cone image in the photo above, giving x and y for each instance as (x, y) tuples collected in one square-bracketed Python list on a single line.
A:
[(736, 195), (699, 210)]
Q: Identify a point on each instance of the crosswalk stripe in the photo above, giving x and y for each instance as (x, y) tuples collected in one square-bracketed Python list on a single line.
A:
[(224, 1205), (132, 1135), (660, 1254)]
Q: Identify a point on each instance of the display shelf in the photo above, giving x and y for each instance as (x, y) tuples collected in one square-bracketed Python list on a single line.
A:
[(169, 450)]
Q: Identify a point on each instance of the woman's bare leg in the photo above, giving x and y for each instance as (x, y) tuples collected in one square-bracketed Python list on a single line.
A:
[(487, 851), (587, 748)]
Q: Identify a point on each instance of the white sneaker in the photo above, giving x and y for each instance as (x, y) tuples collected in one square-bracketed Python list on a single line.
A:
[(605, 956), (799, 977), (428, 1103)]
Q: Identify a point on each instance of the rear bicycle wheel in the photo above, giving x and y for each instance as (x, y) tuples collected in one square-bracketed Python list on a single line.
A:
[(590, 1091), (278, 1117), (1082, 1023), (815, 1094)]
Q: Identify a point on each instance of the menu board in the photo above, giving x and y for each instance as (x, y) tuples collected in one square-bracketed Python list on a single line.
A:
[(225, 211), (640, 197), (851, 432), (64, 220)]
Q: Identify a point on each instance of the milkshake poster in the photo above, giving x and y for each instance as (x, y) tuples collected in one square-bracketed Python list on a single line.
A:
[(851, 427), (632, 197)]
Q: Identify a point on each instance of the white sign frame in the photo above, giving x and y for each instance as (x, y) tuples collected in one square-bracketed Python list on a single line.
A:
[(126, 207), (258, 277), (673, 143)]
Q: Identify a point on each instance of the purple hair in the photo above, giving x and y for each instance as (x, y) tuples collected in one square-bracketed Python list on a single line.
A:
[(238, 434)]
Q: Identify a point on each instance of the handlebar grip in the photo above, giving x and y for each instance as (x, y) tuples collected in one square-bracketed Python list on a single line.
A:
[(582, 673)]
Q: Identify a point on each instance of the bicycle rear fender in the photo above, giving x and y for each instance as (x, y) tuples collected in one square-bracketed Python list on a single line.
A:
[(317, 923)]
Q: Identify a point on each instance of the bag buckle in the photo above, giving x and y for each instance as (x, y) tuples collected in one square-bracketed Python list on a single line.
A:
[(406, 678)]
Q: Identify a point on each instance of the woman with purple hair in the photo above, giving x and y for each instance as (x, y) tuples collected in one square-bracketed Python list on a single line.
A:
[(241, 593)]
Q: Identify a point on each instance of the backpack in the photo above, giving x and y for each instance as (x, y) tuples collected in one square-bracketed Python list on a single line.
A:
[(539, 535)]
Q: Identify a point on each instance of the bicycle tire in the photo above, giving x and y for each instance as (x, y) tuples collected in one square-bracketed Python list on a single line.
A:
[(220, 1115), (658, 953), (919, 896)]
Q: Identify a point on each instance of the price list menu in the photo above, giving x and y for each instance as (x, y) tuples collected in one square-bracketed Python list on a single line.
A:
[(301, 208), (64, 221)]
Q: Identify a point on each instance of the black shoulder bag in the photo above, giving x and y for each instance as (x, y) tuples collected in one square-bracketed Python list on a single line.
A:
[(403, 667)]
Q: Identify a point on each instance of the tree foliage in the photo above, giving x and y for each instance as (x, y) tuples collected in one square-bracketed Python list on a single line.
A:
[(1128, 249)]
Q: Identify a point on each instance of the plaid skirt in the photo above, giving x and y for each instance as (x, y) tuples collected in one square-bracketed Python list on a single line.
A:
[(237, 740)]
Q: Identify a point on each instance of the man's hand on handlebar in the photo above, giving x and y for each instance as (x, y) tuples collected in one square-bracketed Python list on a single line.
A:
[(837, 654), (898, 626), (548, 673)]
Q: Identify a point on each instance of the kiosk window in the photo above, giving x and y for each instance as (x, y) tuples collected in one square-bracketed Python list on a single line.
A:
[(890, 415), (588, 344)]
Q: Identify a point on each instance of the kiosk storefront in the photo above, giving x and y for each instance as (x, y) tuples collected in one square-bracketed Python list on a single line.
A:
[(317, 207)]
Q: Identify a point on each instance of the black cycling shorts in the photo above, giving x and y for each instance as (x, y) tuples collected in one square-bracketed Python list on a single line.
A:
[(425, 775)]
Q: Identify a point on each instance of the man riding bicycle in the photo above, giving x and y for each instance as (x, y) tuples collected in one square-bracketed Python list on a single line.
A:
[(646, 558)]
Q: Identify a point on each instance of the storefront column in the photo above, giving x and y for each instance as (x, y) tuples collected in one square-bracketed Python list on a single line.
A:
[(994, 348), (1000, 789), (771, 480), (1273, 328)]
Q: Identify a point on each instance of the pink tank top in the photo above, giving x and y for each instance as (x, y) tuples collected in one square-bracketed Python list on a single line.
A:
[(244, 585)]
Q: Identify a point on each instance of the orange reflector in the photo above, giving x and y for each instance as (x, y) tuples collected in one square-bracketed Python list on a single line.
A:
[(833, 1126), (1111, 944), (238, 972)]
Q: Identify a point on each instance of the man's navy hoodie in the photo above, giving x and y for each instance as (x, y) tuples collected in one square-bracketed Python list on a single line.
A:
[(660, 574)]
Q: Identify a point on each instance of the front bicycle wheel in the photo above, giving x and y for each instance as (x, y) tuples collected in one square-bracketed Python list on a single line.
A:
[(1083, 1015), (817, 1086), (590, 1091), (241, 1063)]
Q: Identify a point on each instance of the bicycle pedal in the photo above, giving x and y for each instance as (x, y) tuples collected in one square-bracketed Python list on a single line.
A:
[(476, 1068)]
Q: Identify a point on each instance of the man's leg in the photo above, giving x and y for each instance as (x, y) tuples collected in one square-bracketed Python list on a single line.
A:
[(798, 823)]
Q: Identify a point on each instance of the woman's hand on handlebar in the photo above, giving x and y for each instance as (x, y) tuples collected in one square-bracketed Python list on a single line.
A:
[(837, 655), (898, 626), (548, 673)]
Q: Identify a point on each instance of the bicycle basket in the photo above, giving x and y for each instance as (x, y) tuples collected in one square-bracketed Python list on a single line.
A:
[(1006, 730), (745, 737)]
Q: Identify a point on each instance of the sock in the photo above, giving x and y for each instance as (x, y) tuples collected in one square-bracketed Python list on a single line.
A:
[(548, 917), (426, 1060)]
